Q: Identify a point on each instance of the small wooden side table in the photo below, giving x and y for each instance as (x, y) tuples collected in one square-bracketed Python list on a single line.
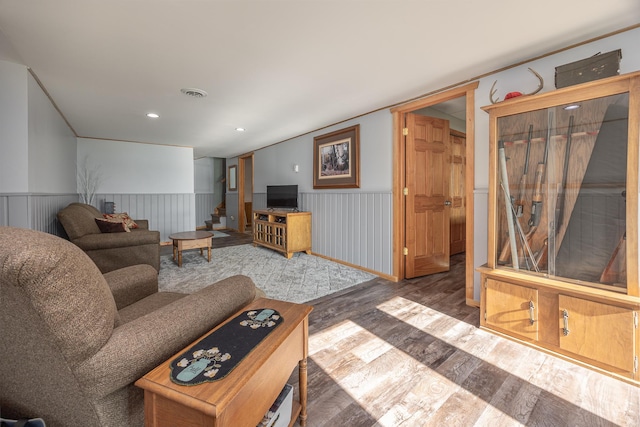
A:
[(191, 240), (247, 392)]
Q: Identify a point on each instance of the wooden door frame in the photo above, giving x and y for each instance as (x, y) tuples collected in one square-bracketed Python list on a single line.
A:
[(399, 183), (242, 216)]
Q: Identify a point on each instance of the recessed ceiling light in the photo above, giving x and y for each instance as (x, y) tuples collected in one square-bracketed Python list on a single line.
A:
[(240, 129), (194, 92), (152, 115)]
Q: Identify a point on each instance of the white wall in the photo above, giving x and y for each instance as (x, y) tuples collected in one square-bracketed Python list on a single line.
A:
[(37, 148), (52, 146), (14, 156), (37, 154), (203, 175), (274, 165), (134, 168)]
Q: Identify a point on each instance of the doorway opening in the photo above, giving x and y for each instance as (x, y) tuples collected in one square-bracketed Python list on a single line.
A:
[(245, 193), (401, 116)]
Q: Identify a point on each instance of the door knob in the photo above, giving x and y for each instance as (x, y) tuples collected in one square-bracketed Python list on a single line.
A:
[(447, 202)]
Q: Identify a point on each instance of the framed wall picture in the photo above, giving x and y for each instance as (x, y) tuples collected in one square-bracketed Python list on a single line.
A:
[(233, 186), (336, 159)]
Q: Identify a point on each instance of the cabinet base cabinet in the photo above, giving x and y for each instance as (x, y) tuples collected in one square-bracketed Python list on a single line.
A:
[(286, 232), (600, 332), (512, 309), (582, 328)]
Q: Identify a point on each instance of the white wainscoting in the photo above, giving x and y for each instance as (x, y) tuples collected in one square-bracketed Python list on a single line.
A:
[(167, 213), (35, 211), (353, 227), (205, 206)]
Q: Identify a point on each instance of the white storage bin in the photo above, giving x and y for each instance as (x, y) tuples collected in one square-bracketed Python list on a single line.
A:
[(279, 415)]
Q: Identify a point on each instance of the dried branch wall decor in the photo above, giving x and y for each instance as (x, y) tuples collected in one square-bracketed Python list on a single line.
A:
[(89, 177)]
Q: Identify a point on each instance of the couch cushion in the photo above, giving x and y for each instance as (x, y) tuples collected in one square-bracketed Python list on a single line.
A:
[(124, 217), (111, 226), (62, 285)]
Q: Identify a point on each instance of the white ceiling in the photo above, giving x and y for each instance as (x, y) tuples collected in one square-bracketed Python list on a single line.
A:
[(278, 68)]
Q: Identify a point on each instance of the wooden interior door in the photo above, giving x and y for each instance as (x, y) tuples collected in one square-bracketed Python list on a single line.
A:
[(427, 195), (245, 192), (457, 227)]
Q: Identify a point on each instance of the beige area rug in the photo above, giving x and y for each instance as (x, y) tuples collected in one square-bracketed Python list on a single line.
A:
[(301, 278)]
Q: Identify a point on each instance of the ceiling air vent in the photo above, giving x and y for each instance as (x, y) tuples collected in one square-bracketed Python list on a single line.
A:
[(193, 92)]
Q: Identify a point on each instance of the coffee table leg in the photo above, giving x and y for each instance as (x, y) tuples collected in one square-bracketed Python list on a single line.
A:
[(179, 258), (209, 254), (302, 376)]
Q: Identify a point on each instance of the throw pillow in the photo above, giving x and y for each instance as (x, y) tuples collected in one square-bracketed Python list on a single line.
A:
[(124, 217), (111, 226)]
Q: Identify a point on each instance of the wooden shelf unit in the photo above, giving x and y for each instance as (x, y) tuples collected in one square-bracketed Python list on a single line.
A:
[(572, 289), (286, 232)]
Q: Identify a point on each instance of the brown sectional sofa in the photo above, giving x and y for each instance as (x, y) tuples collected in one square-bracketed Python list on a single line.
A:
[(74, 341), (110, 251)]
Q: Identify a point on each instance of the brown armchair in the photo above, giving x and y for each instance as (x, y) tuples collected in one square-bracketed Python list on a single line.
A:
[(110, 251), (74, 341)]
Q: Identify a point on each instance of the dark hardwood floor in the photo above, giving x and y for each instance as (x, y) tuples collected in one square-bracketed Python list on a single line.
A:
[(411, 354)]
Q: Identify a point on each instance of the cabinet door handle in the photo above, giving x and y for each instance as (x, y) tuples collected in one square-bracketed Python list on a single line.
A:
[(565, 319), (532, 307)]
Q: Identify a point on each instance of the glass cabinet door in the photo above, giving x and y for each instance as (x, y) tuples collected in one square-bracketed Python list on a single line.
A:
[(561, 188)]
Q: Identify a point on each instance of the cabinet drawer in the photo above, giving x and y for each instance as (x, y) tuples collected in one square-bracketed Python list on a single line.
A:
[(601, 332), (512, 308)]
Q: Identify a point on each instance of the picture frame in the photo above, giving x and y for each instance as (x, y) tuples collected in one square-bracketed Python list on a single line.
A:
[(336, 159), (231, 180)]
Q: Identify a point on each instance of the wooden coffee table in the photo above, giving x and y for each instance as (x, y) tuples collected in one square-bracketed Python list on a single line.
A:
[(247, 392), (191, 240)]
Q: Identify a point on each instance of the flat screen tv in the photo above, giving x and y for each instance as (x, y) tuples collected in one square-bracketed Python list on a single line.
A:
[(282, 197)]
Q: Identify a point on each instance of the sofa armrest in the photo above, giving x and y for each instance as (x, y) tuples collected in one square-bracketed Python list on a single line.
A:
[(143, 224), (96, 241), (137, 347), (131, 284)]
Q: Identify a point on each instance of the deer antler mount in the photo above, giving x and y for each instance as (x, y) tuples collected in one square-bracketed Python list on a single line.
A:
[(515, 94)]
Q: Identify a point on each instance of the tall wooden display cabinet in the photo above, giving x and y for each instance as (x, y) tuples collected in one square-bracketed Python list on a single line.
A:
[(562, 270)]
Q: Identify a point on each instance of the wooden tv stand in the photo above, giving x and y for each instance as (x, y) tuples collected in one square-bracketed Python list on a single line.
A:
[(282, 231)]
